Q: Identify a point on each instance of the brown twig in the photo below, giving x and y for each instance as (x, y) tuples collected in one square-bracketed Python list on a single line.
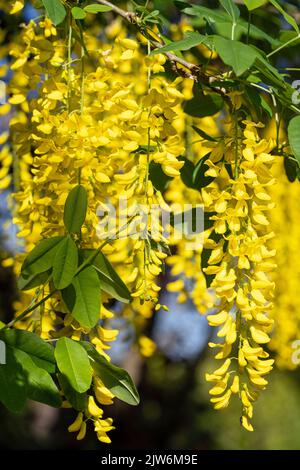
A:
[(193, 70)]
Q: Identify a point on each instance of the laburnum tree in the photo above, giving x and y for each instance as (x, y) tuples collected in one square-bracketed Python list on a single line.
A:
[(108, 102)]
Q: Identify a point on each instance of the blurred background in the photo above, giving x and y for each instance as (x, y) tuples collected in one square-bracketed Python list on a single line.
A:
[(175, 412)]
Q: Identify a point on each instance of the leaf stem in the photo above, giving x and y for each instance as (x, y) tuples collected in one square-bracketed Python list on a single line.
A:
[(284, 45)]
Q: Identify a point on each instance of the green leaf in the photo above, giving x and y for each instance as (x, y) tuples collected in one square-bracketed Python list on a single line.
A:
[(78, 13), (75, 209), (202, 105), (73, 362), (109, 278), (231, 8), (83, 297), (222, 21), (40, 352), (294, 136), (41, 387), (158, 178), (288, 18), (55, 10), (95, 8), (190, 40), (186, 172), (13, 384), (65, 263), (253, 4), (203, 134), (258, 102), (199, 178), (291, 169), (27, 283), (40, 259), (77, 400), (236, 54), (116, 379)]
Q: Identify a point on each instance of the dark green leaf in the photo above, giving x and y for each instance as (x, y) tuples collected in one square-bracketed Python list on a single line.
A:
[(83, 297), (199, 178), (116, 379), (158, 178), (109, 279), (294, 136), (65, 263), (186, 172), (40, 259), (291, 169), (40, 352), (202, 105), (75, 209), (41, 387), (203, 134), (55, 10), (73, 363), (77, 400), (13, 384), (27, 283)]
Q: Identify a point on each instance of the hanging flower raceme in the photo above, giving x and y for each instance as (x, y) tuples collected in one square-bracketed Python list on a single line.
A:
[(240, 262)]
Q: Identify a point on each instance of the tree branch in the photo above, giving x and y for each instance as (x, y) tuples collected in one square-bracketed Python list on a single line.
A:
[(193, 70)]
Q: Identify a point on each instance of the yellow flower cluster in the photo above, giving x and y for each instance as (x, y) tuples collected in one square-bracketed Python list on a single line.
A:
[(240, 261), (97, 126), (101, 115), (286, 316)]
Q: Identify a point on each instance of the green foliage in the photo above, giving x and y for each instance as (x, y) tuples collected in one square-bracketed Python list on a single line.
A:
[(83, 297), (75, 209), (13, 389), (294, 136), (190, 40), (65, 263), (291, 169), (202, 105), (110, 281), (231, 9), (116, 379), (77, 400), (78, 13), (253, 4), (236, 54), (158, 178), (26, 374), (96, 8), (73, 363), (40, 352), (288, 18), (40, 386), (40, 259), (193, 176), (55, 10)]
